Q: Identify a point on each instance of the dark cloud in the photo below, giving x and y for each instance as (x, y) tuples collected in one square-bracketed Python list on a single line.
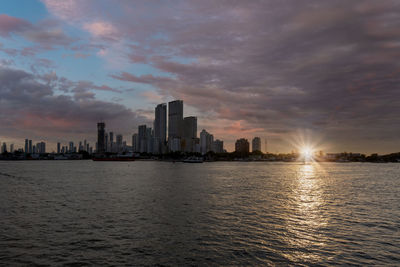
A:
[(328, 66), (30, 108)]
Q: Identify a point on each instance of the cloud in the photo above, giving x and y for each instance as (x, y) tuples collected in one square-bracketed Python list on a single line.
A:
[(273, 66), (31, 109), (10, 25)]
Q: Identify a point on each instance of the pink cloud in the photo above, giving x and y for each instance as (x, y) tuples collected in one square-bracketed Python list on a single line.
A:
[(10, 24)]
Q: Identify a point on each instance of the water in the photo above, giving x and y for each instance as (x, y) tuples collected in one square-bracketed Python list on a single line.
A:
[(218, 213)]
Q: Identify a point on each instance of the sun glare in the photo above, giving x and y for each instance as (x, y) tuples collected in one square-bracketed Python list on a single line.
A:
[(307, 152)]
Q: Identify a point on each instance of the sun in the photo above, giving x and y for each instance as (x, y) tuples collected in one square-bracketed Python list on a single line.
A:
[(307, 152)]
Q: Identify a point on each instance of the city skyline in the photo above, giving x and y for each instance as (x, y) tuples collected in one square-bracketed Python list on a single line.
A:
[(281, 71)]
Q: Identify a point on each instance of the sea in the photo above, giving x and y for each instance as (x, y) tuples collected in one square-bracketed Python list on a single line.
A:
[(147, 213)]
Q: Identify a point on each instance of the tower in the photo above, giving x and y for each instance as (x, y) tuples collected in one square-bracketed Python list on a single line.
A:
[(100, 137)]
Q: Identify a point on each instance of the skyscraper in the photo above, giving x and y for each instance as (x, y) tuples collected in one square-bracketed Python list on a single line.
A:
[(142, 138), (12, 148), (71, 147), (160, 128), (30, 147), (26, 146), (175, 119), (58, 148), (100, 137), (111, 141), (256, 144), (149, 140), (119, 143), (135, 147), (218, 146), (189, 133), (206, 141), (242, 146)]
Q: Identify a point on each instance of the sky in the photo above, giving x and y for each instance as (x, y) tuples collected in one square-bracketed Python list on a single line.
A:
[(289, 71)]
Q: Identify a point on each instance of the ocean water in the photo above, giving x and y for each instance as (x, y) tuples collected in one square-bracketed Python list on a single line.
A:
[(217, 213)]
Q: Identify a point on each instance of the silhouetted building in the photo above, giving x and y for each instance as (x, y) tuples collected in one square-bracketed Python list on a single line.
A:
[(71, 147), (218, 146), (119, 143), (242, 146), (4, 148), (26, 146), (160, 128), (142, 138), (100, 137), (135, 146), (175, 119), (189, 133), (206, 141), (58, 148), (30, 147), (149, 140), (256, 144), (12, 148)]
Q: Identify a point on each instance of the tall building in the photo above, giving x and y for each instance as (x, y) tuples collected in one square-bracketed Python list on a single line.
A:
[(218, 146), (71, 147), (58, 147), (119, 143), (135, 143), (41, 148), (160, 128), (106, 145), (30, 147), (242, 146), (26, 146), (100, 137), (206, 141), (149, 140), (175, 119), (256, 144), (12, 148), (142, 138), (189, 133), (111, 148), (4, 148)]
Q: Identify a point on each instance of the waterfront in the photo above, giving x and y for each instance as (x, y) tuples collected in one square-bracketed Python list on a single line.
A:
[(217, 213)]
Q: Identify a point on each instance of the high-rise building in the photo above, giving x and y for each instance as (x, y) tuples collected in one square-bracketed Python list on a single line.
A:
[(4, 148), (58, 147), (100, 137), (30, 147), (26, 146), (160, 128), (189, 133), (242, 146), (111, 148), (41, 148), (106, 144), (71, 147), (206, 141), (190, 127), (142, 133), (218, 146), (149, 140), (175, 119), (256, 144), (12, 148), (135, 147), (119, 143)]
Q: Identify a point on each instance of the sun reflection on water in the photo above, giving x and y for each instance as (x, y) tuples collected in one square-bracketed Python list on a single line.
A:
[(306, 224)]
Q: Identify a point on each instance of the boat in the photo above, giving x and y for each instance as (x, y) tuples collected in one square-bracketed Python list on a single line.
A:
[(193, 160)]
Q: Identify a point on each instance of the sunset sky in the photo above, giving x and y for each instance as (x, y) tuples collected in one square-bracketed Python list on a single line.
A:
[(325, 71)]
